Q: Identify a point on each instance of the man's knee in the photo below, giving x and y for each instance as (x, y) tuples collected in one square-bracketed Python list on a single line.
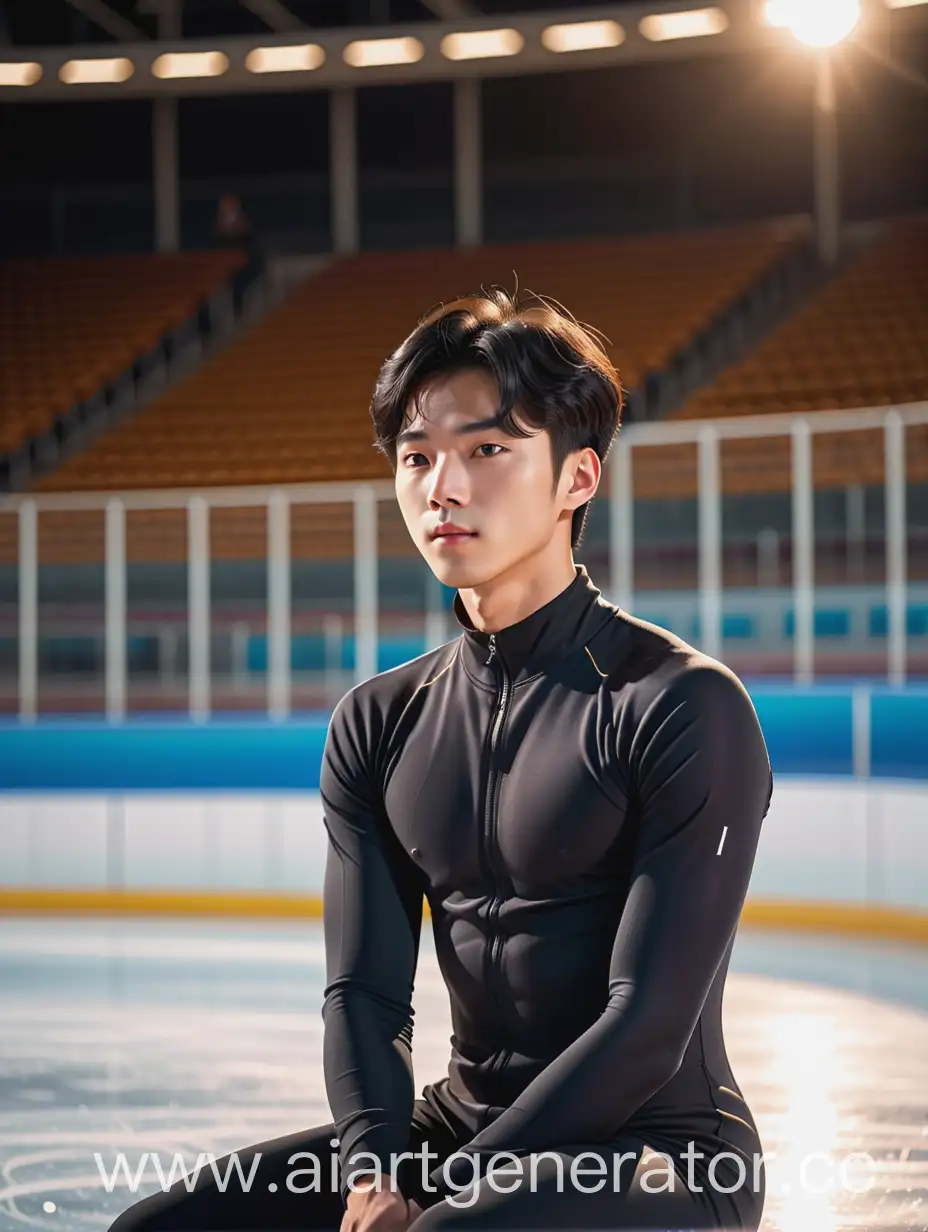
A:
[(443, 1217), (179, 1208), (487, 1205), (141, 1216)]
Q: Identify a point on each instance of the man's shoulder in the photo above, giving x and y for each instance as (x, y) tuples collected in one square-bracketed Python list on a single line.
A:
[(667, 692), (368, 719), (380, 699), (646, 661)]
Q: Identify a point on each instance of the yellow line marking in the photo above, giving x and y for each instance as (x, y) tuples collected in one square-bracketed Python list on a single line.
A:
[(65, 900), (894, 923), (852, 919)]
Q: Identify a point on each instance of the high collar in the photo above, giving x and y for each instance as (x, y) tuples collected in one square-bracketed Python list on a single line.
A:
[(531, 645)]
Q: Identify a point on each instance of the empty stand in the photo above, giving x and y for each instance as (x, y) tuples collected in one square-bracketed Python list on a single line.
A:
[(289, 402), (68, 326), (861, 341)]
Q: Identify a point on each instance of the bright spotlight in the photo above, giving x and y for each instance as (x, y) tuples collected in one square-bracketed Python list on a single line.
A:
[(817, 23)]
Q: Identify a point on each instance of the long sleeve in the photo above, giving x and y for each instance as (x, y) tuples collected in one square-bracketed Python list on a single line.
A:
[(700, 778), (372, 916)]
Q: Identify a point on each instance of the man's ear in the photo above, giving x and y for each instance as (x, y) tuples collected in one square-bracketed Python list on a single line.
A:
[(585, 469)]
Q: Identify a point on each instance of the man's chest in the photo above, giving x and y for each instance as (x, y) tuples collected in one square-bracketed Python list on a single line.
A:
[(528, 796)]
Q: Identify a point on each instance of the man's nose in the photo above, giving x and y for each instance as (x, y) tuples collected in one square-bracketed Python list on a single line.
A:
[(449, 484)]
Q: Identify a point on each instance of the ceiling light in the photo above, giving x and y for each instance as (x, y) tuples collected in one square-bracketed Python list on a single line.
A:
[(693, 23), (370, 53), (817, 23), (582, 35), (190, 64), (25, 73), (93, 72), (293, 59), (481, 44)]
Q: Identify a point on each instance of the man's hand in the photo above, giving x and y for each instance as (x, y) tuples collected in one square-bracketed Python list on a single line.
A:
[(415, 1210), (373, 1209)]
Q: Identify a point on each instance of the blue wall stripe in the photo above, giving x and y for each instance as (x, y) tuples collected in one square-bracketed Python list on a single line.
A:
[(899, 735), (808, 731), (237, 756)]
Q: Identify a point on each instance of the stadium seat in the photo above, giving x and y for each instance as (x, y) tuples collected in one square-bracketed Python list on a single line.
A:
[(861, 341), (70, 325), (289, 402)]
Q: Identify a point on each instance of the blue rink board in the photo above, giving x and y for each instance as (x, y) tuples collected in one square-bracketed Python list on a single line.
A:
[(808, 731)]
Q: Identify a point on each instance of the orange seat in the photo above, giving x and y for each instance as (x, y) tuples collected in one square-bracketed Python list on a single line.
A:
[(862, 340), (289, 401), (67, 326)]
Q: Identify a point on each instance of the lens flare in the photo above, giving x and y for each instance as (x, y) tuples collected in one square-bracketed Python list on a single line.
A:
[(817, 23)]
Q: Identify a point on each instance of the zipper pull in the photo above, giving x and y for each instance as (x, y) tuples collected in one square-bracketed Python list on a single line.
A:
[(492, 649)]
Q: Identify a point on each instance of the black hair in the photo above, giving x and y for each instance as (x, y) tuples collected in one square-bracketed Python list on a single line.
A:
[(548, 367)]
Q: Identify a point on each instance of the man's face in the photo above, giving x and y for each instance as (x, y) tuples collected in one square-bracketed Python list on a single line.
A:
[(498, 487)]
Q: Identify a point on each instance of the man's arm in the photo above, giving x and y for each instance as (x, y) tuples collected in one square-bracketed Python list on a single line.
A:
[(701, 776), (372, 916)]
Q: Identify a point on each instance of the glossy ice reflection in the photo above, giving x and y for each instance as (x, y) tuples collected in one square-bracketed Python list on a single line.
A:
[(187, 1037)]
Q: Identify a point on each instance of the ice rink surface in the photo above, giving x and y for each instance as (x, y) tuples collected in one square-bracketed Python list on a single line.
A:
[(174, 1038)]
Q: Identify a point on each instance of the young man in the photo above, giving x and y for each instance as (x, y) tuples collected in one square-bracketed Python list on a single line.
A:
[(577, 793)]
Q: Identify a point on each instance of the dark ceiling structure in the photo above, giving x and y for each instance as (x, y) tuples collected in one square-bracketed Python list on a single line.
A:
[(39, 23)]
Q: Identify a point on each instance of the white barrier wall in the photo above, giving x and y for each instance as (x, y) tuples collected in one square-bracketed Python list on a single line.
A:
[(825, 840)]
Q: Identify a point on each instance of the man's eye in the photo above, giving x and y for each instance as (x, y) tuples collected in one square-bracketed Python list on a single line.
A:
[(490, 445), (409, 457)]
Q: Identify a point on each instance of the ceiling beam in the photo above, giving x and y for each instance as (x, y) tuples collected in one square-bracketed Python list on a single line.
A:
[(741, 36), (169, 14), (275, 15), (115, 25)]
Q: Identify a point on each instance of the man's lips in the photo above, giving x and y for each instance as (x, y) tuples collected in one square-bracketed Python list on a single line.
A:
[(452, 532), (449, 543)]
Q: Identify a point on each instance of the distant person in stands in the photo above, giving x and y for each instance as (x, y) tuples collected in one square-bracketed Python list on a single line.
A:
[(233, 227)]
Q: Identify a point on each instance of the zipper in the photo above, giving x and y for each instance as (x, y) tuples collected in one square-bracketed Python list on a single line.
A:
[(493, 778), (499, 719)]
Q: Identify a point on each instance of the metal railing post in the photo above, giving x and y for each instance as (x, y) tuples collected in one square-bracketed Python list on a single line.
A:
[(278, 605), (803, 554), (896, 564), (198, 604), (365, 582), (115, 588), (622, 525), (710, 542), (28, 610)]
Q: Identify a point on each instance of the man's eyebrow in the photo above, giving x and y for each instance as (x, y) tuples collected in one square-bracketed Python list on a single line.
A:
[(477, 425)]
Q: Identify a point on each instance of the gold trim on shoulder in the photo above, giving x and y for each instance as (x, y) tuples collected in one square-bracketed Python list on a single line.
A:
[(731, 1116), (595, 664), (729, 1091), (447, 666)]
